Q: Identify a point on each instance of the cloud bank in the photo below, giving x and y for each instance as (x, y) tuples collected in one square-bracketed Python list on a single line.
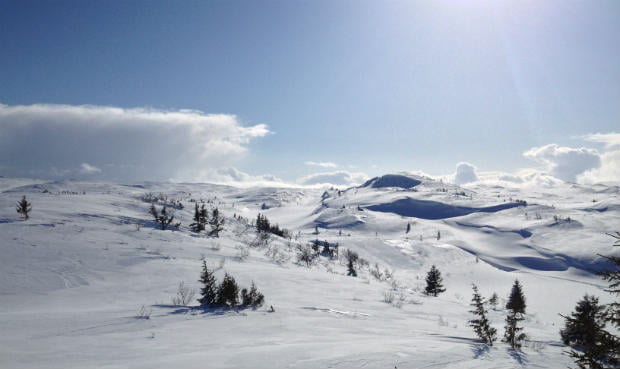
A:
[(565, 163), (48, 141), (582, 165)]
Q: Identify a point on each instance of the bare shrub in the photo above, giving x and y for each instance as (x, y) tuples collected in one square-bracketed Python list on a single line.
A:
[(144, 313), (242, 252), (277, 255), (184, 295), (305, 255), (388, 296)]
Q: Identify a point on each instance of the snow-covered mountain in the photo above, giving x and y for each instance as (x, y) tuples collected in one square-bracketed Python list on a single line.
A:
[(74, 277)]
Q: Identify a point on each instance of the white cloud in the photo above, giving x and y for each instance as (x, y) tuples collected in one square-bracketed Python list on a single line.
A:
[(322, 164), (46, 140), (610, 140), (609, 171), (465, 173), (86, 168), (565, 163), (337, 178)]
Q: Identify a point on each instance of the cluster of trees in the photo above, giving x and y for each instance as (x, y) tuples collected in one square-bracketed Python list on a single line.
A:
[(163, 217), (513, 333), (202, 219), (227, 293), (263, 225)]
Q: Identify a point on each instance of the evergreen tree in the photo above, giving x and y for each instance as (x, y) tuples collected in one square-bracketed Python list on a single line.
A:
[(582, 326), (493, 300), (228, 292), (512, 333), (351, 269), (408, 228), (216, 222), (480, 323), (24, 207), (208, 292), (196, 226), (434, 282), (516, 300), (584, 330), (612, 314)]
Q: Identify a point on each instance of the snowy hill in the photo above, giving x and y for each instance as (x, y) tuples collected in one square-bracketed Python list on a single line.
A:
[(74, 277)]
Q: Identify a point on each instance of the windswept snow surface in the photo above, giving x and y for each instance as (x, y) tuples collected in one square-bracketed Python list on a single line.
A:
[(74, 277)]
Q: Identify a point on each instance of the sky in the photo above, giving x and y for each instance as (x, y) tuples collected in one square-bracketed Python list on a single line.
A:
[(309, 92)]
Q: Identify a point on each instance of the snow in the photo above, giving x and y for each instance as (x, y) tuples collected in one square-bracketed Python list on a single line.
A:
[(75, 275)]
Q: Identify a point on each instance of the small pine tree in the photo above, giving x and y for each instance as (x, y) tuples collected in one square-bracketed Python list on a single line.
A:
[(512, 334), (408, 228), (351, 269), (480, 323), (612, 314), (584, 330), (208, 292), (516, 300), (228, 292), (582, 325), (216, 222), (24, 207), (434, 282), (493, 301)]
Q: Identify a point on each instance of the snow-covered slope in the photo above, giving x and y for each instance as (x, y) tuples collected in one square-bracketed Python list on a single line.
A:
[(75, 275)]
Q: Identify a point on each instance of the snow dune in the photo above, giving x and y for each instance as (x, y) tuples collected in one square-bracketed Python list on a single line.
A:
[(74, 276)]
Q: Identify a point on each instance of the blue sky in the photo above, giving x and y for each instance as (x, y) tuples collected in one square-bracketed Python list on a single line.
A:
[(372, 86)]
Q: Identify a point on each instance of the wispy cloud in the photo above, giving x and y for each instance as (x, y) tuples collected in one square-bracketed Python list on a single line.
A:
[(86, 168), (339, 178), (322, 164)]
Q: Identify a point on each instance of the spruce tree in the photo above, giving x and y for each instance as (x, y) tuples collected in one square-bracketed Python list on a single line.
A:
[(513, 334), (480, 323), (228, 292), (592, 346), (493, 300), (612, 314), (583, 325), (24, 207), (216, 222), (516, 300), (351, 269), (434, 282), (208, 292)]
